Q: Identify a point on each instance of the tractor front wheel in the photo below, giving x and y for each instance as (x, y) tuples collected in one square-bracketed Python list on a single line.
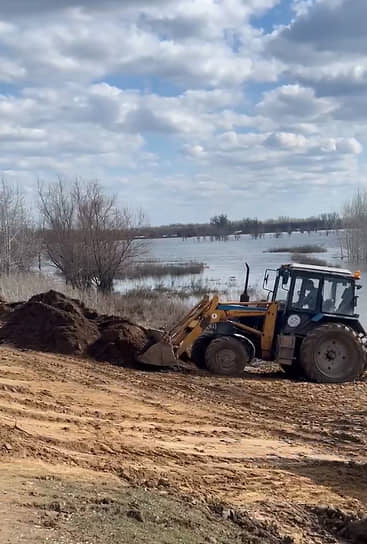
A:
[(226, 356), (332, 353), (199, 348)]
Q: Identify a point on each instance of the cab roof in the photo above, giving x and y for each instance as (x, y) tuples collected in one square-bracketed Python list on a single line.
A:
[(327, 270)]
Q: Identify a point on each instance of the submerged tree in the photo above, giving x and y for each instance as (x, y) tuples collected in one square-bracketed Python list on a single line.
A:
[(88, 237), (220, 224), (355, 223)]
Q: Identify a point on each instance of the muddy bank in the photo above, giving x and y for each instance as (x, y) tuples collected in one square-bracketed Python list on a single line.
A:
[(55, 323)]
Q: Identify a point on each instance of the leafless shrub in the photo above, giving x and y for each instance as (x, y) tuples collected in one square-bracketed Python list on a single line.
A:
[(155, 269), (88, 238), (308, 248), (306, 259), (19, 241)]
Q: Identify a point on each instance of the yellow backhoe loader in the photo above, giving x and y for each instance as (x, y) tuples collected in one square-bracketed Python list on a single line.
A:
[(308, 325)]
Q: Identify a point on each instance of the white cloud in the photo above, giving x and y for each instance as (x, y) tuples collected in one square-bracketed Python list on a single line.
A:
[(325, 46), (23, 8), (287, 140), (294, 103), (11, 71), (101, 126), (322, 27), (324, 50), (172, 101), (196, 43), (348, 145)]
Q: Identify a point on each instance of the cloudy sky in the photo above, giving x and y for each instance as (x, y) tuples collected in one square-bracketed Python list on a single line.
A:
[(188, 108)]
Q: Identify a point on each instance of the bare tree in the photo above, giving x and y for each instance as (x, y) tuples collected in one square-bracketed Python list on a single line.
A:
[(88, 238), (355, 223), (19, 241)]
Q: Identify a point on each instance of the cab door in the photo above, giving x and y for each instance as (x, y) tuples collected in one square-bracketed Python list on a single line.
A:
[(304, 302)]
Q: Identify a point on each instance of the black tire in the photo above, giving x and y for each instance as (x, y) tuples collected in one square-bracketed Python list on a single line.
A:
[(226, 356), (199, 348), (332, 353)]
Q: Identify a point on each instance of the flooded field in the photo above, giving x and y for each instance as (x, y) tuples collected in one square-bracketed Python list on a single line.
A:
[(224, 262)]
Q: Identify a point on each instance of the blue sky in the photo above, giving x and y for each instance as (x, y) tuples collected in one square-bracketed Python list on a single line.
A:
[(280, 14), (188, 108)]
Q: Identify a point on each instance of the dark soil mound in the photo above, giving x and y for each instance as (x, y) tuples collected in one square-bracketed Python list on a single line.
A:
[(119, 342), (5, 310), (50, 322), (55, 323), (356, 531), (343, 526)]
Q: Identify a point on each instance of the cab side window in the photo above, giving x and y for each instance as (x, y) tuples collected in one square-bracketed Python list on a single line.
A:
[(305, 293), (338, 297)]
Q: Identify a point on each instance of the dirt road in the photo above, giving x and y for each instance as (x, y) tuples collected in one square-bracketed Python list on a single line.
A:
[(291, 455)]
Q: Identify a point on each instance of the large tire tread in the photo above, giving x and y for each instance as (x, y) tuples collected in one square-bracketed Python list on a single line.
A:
[(231, 344), (355, 365), (199, 348)]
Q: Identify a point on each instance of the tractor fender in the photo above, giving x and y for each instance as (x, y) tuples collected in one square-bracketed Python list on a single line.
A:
[(249, 344)]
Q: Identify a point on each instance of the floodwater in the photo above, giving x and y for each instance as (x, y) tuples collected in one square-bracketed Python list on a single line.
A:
[(224, 261)]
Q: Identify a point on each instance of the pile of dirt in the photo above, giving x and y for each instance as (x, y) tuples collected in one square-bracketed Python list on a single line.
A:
[(118, 336), (350, 528), (50, 322), (55, 323), (6, 309)]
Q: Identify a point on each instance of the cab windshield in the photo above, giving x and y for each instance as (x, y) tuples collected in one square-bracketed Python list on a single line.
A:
[(338, 296)]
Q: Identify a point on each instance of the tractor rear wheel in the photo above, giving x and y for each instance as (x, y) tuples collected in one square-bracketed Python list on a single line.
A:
[(199, 348), (226, 356), (332, 353)]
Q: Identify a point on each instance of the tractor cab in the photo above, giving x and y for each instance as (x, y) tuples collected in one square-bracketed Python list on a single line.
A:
[(309, 294)]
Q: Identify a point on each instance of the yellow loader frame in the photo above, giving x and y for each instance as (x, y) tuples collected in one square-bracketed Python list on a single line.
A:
[(173, 344)]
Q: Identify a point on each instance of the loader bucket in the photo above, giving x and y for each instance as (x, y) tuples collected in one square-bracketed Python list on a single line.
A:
[(160, 354)]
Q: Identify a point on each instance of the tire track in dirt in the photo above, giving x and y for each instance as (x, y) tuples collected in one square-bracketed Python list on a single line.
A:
[(242, 441)]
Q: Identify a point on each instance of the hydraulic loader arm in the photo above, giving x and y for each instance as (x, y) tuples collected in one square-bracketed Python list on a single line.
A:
[(171, 345), (182, 336), (207, 312)]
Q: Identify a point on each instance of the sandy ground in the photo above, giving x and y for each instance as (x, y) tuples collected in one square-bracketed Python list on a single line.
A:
[(291, 454)]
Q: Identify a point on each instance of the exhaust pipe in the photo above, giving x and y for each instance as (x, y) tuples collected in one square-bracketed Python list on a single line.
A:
[(245, 296)]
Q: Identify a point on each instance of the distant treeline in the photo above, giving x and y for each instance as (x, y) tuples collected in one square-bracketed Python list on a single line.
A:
[(220, 226)]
